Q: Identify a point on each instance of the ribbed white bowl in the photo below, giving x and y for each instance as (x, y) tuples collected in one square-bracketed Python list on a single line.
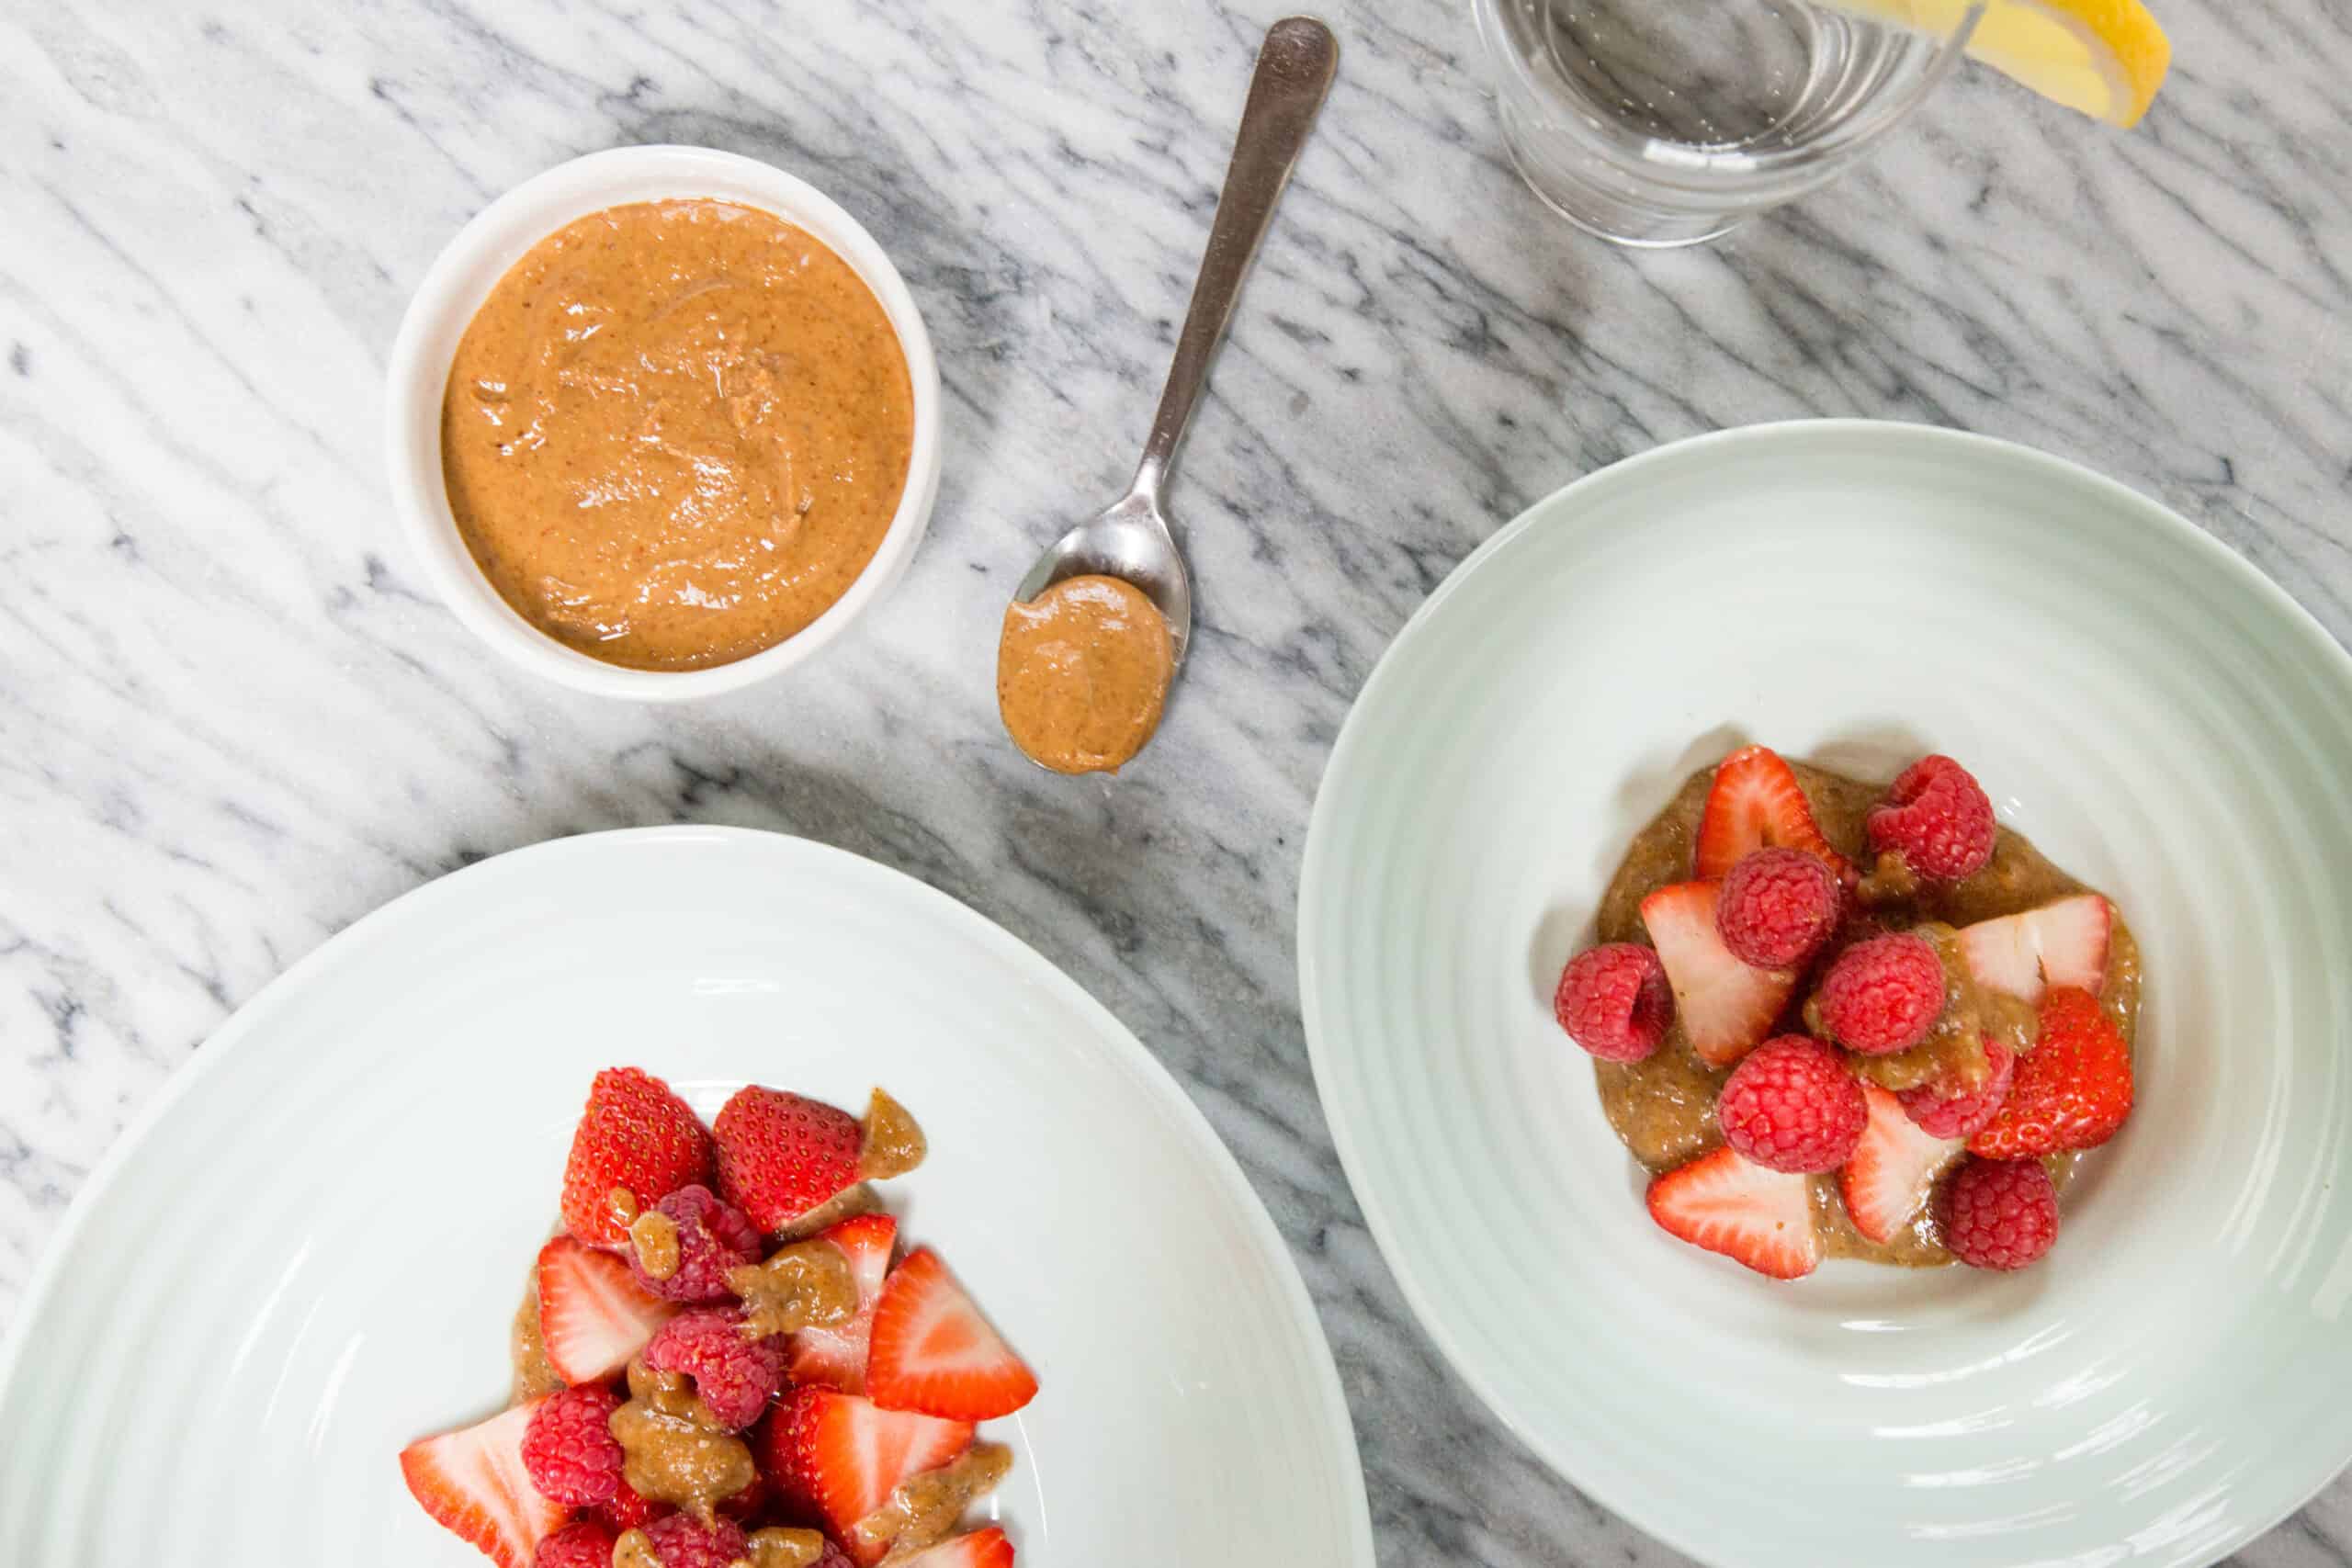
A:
[(306, 1252), (2150, 710)]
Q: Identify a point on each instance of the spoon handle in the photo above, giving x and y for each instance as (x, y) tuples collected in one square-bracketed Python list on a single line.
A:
[(1295, 68)]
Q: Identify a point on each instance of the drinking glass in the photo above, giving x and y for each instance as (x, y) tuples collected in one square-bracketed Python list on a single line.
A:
[(1665, 122)]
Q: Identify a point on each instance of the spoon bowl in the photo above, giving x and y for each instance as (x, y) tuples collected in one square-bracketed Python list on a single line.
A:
[(1130, 540)]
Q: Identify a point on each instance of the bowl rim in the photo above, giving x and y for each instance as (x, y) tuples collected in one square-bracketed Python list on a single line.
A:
[(454, 288), (1606, 1486)]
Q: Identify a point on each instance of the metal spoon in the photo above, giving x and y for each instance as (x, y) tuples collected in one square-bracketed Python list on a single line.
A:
[(1131, 539)]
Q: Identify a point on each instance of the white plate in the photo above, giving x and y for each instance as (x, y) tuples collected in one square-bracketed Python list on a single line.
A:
[(2148, 709), (306, 1253)]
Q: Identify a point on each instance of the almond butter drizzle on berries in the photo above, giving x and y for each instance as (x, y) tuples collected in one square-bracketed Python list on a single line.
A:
[(893, 1145), (635, 1550), (623, 1205), (1664, 1108), (804, 1285), (926, 1506), (1954, 1051), (847, 1203), (654, 1234), (673, 1450), (776, 1547), (527, 1350)]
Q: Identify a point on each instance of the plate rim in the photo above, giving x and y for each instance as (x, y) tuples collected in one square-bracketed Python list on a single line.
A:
[(1650, 1514), (250, 1016)]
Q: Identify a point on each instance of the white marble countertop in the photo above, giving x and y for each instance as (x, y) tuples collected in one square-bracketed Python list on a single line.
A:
[(232, 721)]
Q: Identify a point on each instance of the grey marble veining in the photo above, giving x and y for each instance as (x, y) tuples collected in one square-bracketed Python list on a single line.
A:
[(232, 720)]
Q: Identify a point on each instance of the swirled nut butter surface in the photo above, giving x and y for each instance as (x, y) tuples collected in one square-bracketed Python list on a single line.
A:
[(1081, 673), (677, 432)]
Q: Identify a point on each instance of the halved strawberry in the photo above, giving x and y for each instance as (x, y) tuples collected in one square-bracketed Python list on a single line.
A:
[(933, 1351), (2073, 1091), (1762, 1218), (473, 1484), (1758, 802), (1726, 1008), (1887, 1179), (981, 1549), (2062, 943), (835, 1457), (780, 1155), (634, 1134), (594, 1315), (835, 1356)]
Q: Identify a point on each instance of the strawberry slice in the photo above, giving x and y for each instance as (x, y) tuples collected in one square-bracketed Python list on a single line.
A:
[(2062, 943), (593, 1315), (1762, 1218), (933, 1352), (2073, 1091), (473, 1484), (1887, 1179), (837, 1457), (1725, 1008), (835, 1356), (981, 1549), (1755, 802), (635, 1134)]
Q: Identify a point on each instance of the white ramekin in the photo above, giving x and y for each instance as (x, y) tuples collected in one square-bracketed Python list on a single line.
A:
[(463, 276)]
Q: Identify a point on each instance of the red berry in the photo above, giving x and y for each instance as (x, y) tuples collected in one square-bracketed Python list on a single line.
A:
[(1999, 1214), (679, 1540), (587, 1543), (2071, 1091), (635, 1134), (735, 1376), (933, 1352), (1777, 907), (629, 1511), (1792, 1106), (1955, 1110), (1754, 801), (467, 1481), (1936, 816), (781, 1155), (1883, 994), (1613, 1000), (569, 1448), (1725, 1008), (713, 1236)]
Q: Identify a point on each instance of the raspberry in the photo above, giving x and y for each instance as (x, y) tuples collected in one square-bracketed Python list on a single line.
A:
[(1790, 1105), (736, 1377), (1999, 1214), (713, 1236), (585, 1544), (1777, 907), (629, 1511), (1883, 994), (680, 1542), (1937, 817), (1954, 1112), (569, 1448), (1613, 1000)]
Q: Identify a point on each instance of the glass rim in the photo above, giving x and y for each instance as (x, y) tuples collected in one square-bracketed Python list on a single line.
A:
[(1702, 175)]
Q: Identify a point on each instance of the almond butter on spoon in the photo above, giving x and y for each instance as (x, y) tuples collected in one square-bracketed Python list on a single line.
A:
[(1099, 625)]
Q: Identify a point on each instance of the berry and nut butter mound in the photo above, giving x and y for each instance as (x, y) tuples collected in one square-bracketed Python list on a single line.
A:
[(1842, 1019), (727, 1357)]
